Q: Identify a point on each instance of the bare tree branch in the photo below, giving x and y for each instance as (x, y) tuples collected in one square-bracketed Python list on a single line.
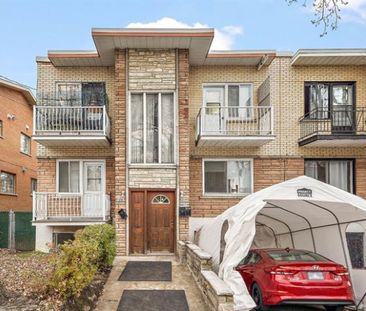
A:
[(327, 13)]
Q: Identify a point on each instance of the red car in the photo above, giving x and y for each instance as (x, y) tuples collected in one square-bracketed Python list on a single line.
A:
[(288, 276)]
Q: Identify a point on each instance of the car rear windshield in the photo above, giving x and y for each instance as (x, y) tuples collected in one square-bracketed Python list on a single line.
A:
[(291, 255)]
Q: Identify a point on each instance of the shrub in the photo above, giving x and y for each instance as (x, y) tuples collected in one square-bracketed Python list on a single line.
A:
[(78, 261), (103, 236)]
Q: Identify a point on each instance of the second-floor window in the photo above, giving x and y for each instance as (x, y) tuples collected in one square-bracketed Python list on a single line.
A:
[(7, 183), (236, 98), (338, 173), (323, 99), (81, 93), (152, 128), (1, 128), (25, 144)]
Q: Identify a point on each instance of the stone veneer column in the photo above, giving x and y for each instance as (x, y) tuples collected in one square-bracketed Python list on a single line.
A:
[(183, 103), (120, 149)]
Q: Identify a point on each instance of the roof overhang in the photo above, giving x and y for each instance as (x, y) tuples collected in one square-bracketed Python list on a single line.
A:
[(107, 40), (23, 89), (244, 58), (329, 57), (197, 40)]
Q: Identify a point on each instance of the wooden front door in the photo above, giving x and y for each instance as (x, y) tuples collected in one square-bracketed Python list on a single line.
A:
[(152, 221)]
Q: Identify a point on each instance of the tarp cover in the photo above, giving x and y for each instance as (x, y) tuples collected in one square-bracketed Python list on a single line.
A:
[(301, 213)]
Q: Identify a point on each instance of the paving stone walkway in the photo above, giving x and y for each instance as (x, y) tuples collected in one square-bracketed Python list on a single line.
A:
[(181, 280)]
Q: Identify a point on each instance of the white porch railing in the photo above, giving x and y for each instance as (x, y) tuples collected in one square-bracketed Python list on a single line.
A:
[(71, 120), (235, 121), (70, 206)]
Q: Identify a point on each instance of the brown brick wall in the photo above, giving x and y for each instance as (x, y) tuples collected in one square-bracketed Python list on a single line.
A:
[(184, 167), (120, 148), (11, 159), (46, 174), (268, 172), (361, 177)]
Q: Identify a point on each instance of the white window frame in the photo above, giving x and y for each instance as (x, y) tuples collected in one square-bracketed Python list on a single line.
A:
[(221, 194), (29, 141), (14, 181), (81, 174), (159, 92), (226, 85)]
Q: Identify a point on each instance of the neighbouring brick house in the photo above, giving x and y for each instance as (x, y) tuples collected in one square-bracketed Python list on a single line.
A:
[(18, 161), (154, 126)]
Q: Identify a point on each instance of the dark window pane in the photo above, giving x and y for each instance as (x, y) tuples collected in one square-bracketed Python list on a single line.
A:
[(63, 175), (295, 255), (93, 94), (215, 177)]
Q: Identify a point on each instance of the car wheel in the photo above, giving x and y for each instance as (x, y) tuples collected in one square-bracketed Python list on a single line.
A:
[(258, 298), (334, 308)]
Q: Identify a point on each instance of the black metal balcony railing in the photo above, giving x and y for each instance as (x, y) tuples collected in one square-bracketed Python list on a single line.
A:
[(342, 120)]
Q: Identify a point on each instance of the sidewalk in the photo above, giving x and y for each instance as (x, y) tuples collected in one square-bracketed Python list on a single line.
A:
[(181, 279)]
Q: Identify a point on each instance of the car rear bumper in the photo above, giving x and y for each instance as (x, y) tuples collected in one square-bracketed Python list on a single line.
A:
[(319, 302), (275, 297)]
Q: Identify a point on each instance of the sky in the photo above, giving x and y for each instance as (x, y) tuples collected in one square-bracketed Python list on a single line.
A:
[(30, 28)]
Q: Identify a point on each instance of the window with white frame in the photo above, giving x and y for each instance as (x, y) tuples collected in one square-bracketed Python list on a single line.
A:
[(69, 176), (7, 183), (76, 176), (25, 144), (152, 128), (237, 98), (227, 177)]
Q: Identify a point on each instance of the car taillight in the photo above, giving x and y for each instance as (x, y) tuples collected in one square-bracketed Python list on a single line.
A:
[(341, 272), (277, 271)]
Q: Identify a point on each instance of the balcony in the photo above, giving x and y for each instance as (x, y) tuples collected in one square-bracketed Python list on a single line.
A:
[(234, 126), (60, 208), (71, 125), (341, 127)]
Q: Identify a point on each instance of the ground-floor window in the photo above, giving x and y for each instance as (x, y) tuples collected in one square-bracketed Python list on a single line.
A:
[(76, 176), (62, 237), (227, 177), (338, 173)]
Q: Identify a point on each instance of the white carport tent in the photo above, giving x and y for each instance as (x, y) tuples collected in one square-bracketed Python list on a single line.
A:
[(315, 223)]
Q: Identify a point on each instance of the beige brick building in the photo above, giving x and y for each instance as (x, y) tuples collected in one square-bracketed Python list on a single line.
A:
[(153, 132)]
